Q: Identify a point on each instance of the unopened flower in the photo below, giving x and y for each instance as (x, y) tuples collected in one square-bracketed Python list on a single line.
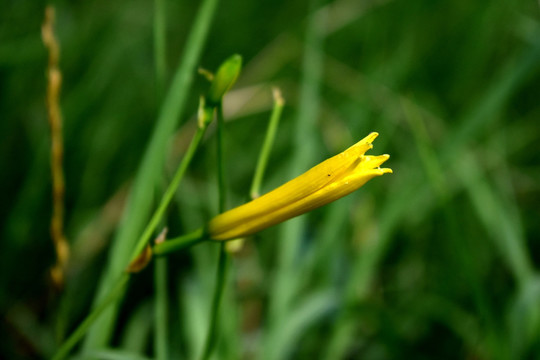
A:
[(224, 79), (221, 82), (330, 180)]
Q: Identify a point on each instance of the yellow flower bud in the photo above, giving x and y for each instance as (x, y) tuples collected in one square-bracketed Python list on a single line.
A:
[(330, 180)]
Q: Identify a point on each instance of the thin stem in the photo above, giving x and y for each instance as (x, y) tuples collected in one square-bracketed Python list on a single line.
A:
[(267, 145), (216, 301), (179, 243), (221, 274), (169, 193), (115, 293), (220, 158)]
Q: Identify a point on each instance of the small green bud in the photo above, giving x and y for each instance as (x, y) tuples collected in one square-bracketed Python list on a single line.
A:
[(224, 79), (205, 114)]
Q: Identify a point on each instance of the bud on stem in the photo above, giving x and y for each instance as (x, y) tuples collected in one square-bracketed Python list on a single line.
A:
[(224, 79)]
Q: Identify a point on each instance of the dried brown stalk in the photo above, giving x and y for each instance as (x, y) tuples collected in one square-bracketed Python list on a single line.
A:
[(54, 81)]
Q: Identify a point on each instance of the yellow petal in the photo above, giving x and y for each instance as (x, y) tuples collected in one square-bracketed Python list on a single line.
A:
[(311, 181), (323, 196)]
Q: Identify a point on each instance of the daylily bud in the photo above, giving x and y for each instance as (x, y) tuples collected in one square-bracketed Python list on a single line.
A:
[(330, 180), (224, 79)]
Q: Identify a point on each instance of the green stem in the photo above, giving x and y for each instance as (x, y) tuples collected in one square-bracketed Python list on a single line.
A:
[(221, 274), (179, 243), (169, 193), (267, 145), (74, 338), (220, 158)]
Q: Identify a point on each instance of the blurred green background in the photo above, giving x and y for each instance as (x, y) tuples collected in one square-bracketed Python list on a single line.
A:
[(436, 261)]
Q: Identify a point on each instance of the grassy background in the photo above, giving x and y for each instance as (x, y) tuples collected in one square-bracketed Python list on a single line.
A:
[(438, 260)]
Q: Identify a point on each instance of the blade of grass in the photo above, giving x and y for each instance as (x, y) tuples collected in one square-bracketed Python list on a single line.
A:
[(139, 204)]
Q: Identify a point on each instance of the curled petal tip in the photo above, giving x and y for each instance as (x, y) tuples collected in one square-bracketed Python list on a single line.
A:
[(385, 157), (372, 136), (363, 145), (372, 161)]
